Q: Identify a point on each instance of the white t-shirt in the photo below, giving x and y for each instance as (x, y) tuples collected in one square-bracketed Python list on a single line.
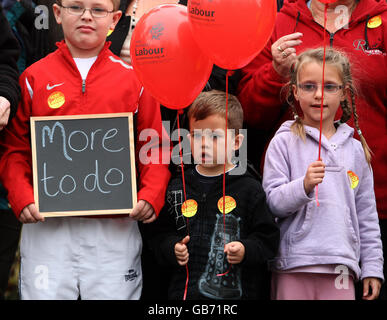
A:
[(84, 65)]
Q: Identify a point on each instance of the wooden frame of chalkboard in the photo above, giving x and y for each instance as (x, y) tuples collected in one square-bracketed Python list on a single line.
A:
[(96, 148)]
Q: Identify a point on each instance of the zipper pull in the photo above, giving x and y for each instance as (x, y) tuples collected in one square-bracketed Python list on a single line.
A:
[(83, 85), (331, 35)]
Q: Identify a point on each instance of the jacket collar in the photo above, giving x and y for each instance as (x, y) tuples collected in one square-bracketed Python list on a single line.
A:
[(190, 178), (342, 134), (64, 50)]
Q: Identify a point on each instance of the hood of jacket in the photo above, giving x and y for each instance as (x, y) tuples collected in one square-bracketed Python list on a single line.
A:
[(343, 133)]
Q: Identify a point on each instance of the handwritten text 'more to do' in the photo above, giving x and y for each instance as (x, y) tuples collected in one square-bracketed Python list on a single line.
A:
[(67, 183)]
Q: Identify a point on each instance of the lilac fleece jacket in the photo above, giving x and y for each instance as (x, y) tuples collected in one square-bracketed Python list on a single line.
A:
[(344, 229)]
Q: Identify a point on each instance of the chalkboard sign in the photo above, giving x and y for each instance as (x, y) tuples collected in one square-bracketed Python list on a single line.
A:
[(84, 164)]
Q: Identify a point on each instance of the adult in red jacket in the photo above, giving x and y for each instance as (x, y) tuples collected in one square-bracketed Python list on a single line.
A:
[(359, 28)]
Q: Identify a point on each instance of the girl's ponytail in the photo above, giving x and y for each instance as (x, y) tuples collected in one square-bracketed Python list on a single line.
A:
[(366, 148)]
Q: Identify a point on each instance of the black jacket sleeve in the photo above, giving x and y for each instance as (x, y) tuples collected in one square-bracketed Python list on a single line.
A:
[(262, 243), (162, 237), (9, 74)]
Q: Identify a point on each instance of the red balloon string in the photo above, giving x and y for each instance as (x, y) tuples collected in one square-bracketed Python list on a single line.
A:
[(186, 282), (181, 154), (223, 274), (224, 174), (184, 191), (224, 166), (322, 94)]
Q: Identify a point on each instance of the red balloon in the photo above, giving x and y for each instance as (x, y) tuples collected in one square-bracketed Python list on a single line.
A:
[(166, 58), (232, 32)]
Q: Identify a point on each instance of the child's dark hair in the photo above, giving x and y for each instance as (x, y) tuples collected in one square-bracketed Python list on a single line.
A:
[(338, 59), (214, 103)]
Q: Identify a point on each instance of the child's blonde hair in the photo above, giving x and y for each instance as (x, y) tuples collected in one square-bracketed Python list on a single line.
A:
[(340, 61), (116, 4)]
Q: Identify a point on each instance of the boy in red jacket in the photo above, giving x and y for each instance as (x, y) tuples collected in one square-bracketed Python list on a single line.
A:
[(67, 258)]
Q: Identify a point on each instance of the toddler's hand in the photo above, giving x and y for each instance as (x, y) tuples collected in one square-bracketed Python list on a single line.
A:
[(30, 214), (181, 251), (235, 252), (371, 283), (143, 211), (314, 175)]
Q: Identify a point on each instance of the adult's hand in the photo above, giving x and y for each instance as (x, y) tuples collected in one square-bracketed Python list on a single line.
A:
[(5, 108), (284, 53)]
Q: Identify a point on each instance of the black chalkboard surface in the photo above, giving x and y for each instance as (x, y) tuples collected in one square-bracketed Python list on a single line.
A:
[(84, 164)]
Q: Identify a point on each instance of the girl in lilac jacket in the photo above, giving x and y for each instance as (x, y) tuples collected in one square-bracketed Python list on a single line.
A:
[(331, 238)]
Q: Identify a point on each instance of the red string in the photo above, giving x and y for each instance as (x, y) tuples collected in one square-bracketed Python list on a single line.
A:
[(322, 94), (223, 274), (224, 175), (184, 191), (186, 282), (224, 166), (181, 155)]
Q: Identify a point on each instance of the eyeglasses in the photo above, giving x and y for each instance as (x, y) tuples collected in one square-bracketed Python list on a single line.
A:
[(79, 11), (312, 87)]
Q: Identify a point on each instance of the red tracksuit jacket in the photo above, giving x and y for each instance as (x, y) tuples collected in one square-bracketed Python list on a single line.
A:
[(364, 41), (52, 87)]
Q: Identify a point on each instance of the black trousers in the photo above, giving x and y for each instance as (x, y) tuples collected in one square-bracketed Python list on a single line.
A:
[(9, 239), (155, 277), (383, 230), (383, 290)]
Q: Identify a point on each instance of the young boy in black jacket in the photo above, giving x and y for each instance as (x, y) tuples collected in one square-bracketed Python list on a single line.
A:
[(222, 248)]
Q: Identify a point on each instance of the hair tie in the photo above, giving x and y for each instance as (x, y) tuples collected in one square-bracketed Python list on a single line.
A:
[(359, 132)]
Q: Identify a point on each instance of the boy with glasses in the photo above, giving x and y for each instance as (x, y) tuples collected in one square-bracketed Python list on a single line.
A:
[(71, 257)]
